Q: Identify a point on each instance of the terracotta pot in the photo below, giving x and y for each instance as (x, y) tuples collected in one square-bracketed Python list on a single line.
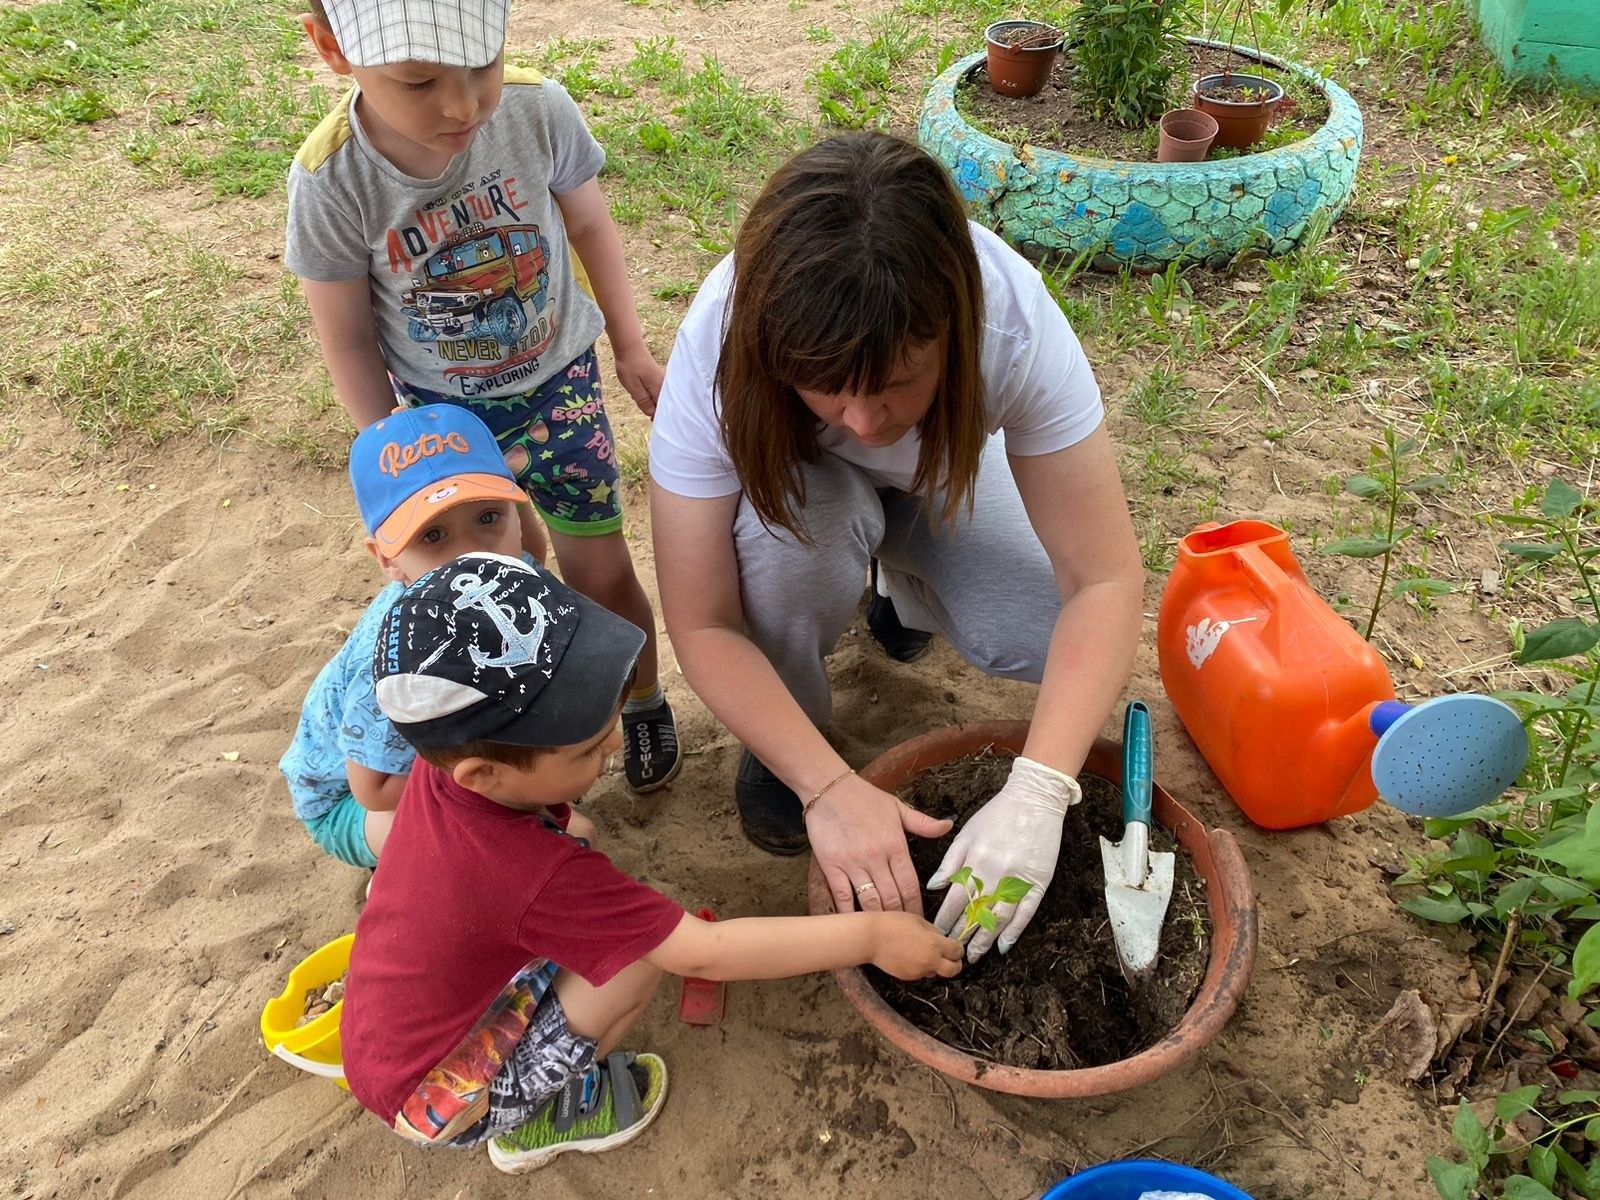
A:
[(1020, 71), (1186, 135), (1230, 900), (1240, 123)]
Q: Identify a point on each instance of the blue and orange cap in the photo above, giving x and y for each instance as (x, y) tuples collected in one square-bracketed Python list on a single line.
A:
[(418, 462)]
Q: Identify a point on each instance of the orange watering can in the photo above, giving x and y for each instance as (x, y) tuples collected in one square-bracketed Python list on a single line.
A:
[(1294, 711)]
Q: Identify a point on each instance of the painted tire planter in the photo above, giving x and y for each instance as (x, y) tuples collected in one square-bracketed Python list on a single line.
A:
[(1230, 900), (1144, 215)]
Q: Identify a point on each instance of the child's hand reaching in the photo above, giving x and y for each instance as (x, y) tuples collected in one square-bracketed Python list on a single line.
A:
[(579, 826), (907, 947), (640, 374)]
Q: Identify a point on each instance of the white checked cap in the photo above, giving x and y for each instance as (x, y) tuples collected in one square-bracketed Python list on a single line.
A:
[(452, 33)]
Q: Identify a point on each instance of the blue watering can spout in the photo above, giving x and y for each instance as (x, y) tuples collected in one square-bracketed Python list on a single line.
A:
[(1445, 756)]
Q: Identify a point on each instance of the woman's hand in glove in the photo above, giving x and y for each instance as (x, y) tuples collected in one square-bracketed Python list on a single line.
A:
[(1017, 833)]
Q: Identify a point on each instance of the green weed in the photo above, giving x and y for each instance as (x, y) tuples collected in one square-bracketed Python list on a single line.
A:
[(854, 86), (1497, 406), (633, 456), (213, 88), (575, 62), (1545, 1163), (1161, 401), (1526, 870), (1391, 487), (697, 154)]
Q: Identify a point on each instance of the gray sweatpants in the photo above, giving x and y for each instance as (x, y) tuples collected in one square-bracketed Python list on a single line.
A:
[(985, 583)]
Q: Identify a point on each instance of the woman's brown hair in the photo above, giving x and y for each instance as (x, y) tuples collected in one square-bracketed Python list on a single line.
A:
[(856, 251)]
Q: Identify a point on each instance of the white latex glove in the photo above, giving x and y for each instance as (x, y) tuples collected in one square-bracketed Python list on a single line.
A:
[(1017, 833)]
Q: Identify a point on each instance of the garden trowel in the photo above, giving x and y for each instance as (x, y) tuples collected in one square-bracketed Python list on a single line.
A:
[(1138, 883)]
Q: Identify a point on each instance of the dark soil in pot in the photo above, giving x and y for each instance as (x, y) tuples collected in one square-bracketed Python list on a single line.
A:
[(1057, 118), (1058, 1000), (1239, 94)]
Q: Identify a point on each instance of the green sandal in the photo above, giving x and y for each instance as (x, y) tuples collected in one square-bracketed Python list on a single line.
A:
[(624, 1095)]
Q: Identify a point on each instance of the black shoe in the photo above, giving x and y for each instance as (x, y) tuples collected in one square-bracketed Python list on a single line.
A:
[(768, 810), (898, 642), (650, 755)]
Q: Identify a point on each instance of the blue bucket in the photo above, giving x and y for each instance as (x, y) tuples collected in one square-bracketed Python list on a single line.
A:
[(1131, 1179)]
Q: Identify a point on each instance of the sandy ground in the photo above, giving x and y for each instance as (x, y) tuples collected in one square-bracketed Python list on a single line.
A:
[(164, 615)]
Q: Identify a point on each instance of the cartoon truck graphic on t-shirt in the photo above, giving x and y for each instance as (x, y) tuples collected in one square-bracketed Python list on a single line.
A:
[(478, 284)]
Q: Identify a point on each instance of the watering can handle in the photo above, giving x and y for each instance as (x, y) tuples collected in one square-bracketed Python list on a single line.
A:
[(1268, 576), (325, 1070)]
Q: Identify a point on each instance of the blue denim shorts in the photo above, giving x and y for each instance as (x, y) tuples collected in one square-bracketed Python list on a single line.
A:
[(342, 832)]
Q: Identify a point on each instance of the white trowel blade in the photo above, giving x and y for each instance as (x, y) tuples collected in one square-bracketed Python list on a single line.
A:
[(1137, 913)]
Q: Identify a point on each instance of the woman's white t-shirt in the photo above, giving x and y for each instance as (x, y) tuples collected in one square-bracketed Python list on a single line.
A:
[(1040, 389)]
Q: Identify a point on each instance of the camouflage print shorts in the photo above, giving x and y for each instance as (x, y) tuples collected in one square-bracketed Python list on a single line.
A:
[(557, 442), (547, 1056), (510, 1063)]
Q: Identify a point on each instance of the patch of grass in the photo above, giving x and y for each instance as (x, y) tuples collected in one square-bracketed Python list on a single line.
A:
[(576, 64), (855, 85), (262, 117), (1161, 401), (676, 289), (658, 60), (61, 62), (1126, 323), (208, 89), (633, 456), (1384, 42), (1503, 408), (159, 341), (696, 150)]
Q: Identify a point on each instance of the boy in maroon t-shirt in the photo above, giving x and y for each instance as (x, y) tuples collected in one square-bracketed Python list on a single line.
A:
[(500, 960)]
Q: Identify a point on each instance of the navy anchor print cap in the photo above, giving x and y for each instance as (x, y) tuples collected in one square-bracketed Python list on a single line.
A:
[(489, 647)]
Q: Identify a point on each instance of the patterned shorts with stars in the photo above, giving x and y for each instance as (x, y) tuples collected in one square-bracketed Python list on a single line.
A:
[(557, 442)]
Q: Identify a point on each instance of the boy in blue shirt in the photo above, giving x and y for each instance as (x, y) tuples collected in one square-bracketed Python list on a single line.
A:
[(431, 485), (436, 217)]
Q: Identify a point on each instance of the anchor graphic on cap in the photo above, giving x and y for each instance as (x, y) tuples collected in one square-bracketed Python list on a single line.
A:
[(521, 648)]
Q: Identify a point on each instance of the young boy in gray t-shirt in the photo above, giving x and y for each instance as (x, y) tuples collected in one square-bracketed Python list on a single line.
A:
[(430, 217)]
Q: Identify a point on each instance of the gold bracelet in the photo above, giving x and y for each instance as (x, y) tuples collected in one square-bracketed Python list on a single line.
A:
[(823, 790)]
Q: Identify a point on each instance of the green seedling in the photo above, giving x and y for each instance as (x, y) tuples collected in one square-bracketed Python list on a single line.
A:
[(1390, 487), (979, 912)]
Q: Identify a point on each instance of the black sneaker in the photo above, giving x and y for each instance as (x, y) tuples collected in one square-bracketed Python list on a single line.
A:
[(898, 642), (768, 811), (650, 755)]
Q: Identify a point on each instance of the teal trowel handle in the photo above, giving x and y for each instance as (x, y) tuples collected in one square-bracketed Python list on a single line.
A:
[(1138, 764)]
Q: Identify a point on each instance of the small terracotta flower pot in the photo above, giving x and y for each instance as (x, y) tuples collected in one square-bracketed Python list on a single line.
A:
[(1230, 899), (1186, 135), (1020, 67), (1240, 123)]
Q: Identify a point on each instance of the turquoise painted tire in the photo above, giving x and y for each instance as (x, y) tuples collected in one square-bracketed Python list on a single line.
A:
[(1144, 215)]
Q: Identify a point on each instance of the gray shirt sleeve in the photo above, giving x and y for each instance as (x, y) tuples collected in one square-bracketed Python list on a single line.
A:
[(575, 157), (322, 243)]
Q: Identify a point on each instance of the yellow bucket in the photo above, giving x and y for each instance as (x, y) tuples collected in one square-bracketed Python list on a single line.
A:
[(314, 1046)]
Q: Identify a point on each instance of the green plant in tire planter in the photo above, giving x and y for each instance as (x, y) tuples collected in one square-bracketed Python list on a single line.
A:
[(1128, 54)]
